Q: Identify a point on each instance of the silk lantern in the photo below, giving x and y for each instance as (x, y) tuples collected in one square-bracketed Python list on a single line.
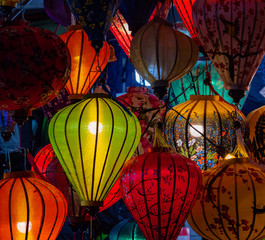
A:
[(159, 189), (86, 64), (34, 67), (231, 204), (92, 139), (232, 34), (189, 125), (161, 54), (256, 120), (30, 208)]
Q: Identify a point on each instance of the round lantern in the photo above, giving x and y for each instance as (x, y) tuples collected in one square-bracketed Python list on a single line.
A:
[(92, 139), (256, 120), (34, 67), (159, 189), (189, 125), (30, 208), (161, 54), (231, 204), (126, 230), (86, 64), (232, 34)]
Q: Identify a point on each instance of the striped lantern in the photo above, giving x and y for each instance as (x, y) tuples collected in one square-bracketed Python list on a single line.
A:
[(232, 202), (256, 120), (161, 54), (92, 140), (30, 208), (189, 125), (86, 64)]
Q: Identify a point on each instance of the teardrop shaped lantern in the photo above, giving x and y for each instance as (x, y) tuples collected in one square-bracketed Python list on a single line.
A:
[(159, 189), (232, 34), (92, 139), (161, 54), (86, 64), (30, 208), (189, 125), (34, 67), (256, 120), (232, 202)]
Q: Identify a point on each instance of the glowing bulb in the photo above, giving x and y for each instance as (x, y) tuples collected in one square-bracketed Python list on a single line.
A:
[(229, 156), (194, 133), (92, 127), (22, 226)]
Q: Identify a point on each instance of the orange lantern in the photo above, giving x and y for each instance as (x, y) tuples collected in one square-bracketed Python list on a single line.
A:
[(86, 64), (161, 54), (30, 208)]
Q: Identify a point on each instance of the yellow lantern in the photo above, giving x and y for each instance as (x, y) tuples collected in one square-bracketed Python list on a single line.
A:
[(194, 128), (232, 202), (92, 140), (256, 120), (161, 54)]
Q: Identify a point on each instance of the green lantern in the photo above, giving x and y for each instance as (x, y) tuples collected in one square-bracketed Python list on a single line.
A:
[(92, 140)]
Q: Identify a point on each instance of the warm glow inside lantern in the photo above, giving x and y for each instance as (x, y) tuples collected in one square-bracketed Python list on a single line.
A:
[(189, 125), (86, 64), (30, 208), (231, 204), (92, 139)]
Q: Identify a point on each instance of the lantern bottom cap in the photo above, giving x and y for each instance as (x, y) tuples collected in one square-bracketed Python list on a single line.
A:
[(91, 203)]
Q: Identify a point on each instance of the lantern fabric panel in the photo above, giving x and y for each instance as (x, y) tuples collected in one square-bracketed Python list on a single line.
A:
[(188, 123), (35, 65), (31, 208), (231, 204), (159, 189), (86, 64), (161, 54), (92, 139), (232, 34)]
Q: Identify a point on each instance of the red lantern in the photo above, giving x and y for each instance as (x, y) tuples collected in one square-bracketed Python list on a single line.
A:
[(159, 189), (185, 11), (34, 67), (232, 34), (30, 208)]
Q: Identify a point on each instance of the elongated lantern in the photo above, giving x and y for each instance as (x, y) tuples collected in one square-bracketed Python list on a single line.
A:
[(232, 34), (86, 64), (92, 140), (30, 208), (190, 124), (232, 202), (159, 189)]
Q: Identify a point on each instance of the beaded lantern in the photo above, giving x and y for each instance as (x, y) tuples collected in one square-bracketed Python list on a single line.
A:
[(189, 125)]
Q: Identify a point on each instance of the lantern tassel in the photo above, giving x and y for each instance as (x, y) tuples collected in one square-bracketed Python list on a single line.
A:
[(160, 141)]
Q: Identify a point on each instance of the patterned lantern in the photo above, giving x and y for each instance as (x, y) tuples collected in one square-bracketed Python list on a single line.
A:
[(256, 120), (34, 67), (185, 11), (232, 34), (189, 125), (159, 189), (231, 204), (86, 64), (92, 139), (30, 208), (140, 102), (161, 54), (95, 18)]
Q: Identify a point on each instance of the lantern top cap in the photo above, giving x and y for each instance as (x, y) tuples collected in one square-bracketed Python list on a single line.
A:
[(28, 174), (205, 97), (97, 95), (234, 160)]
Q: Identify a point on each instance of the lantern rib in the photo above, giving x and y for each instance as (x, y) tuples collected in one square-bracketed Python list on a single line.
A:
[(118, 156), (158, 194), (80, 62), (205, 134), (146, 205), (27, 203), (157, 54), (10, 210), (173, 194), (236, 204), (80, 148), (108, 149), (220, 120)]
